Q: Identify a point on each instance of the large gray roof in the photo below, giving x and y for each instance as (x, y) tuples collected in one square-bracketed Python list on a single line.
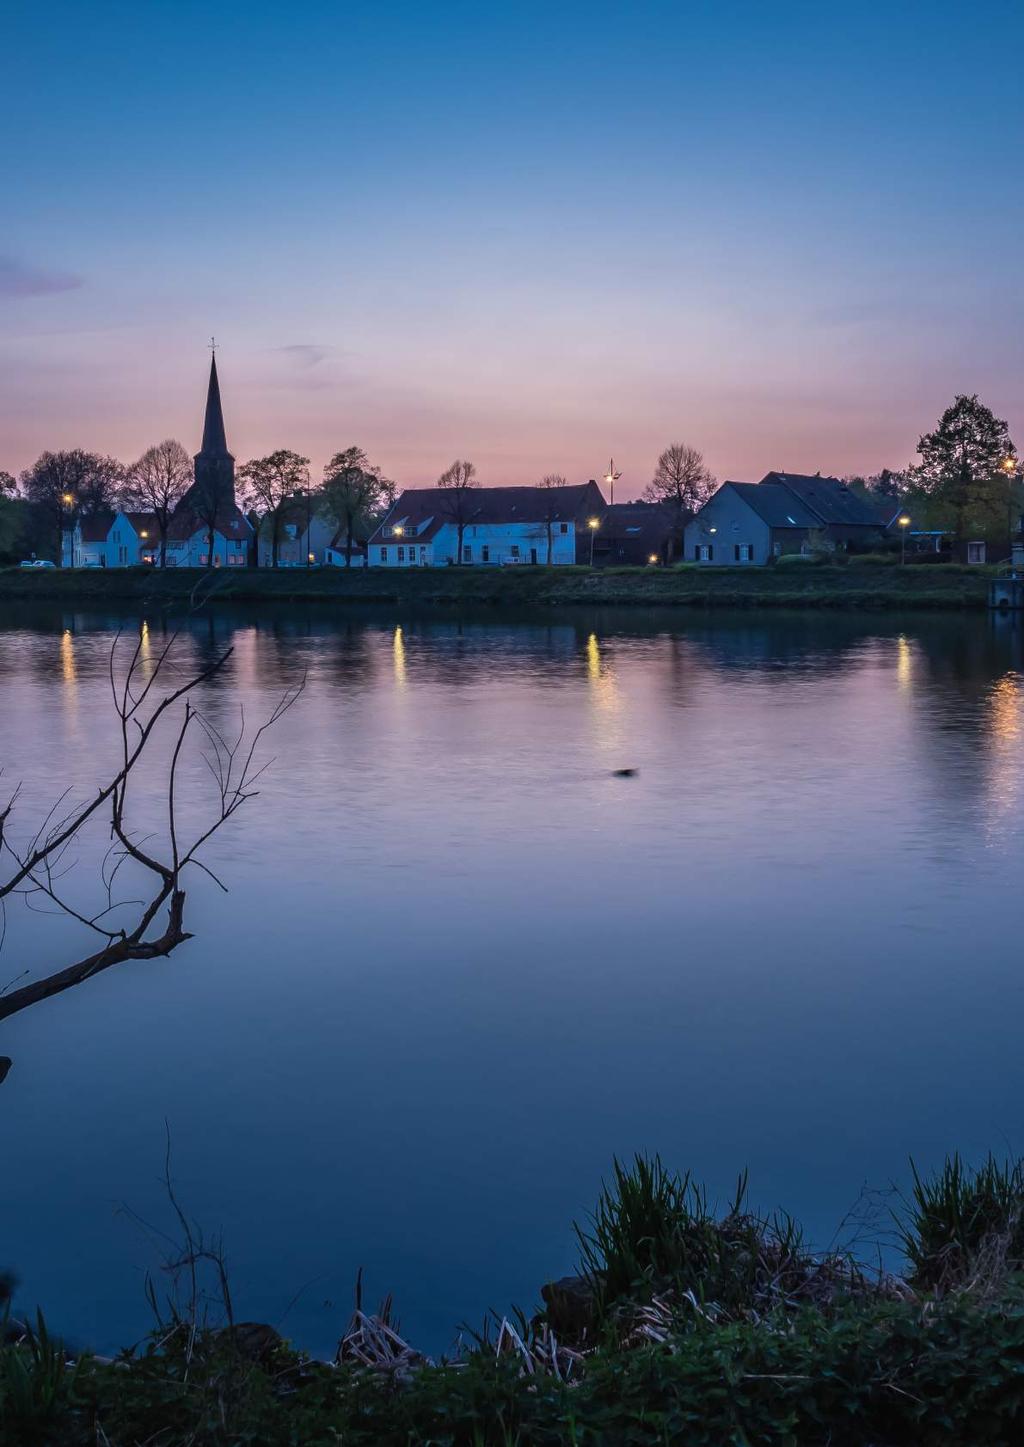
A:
[(775, 504), (828, 497)]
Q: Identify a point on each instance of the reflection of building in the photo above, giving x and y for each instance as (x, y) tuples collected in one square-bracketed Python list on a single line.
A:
[(752, 523), (499, 526)]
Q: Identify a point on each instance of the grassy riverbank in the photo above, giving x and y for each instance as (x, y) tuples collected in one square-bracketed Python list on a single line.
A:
[(795, 586), (685, 1326)]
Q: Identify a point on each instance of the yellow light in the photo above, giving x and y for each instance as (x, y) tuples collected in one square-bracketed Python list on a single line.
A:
[(593, 522), (67, 499), (904, 521), (143, 534), (1009, 464), (652, 558), (398, 531), (312, 557)]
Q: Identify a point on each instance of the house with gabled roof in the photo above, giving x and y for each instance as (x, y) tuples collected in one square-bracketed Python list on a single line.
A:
[(752, 523), (499, 526), (112, 540)]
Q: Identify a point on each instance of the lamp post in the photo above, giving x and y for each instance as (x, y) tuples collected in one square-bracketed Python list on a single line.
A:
[(904, 523), (1009, 466), (593, 524), (611, 477)]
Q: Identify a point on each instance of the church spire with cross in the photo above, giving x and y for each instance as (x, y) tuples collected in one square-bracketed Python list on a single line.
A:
[(214, 464)]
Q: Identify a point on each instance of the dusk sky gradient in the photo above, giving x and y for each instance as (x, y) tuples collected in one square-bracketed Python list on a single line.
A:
[(533, 236)]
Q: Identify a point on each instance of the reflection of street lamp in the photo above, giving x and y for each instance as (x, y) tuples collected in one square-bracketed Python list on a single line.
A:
[(593, 524), (904, 523)]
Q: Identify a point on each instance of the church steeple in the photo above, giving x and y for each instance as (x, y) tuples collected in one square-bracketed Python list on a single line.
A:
[(214, 465), (215, 442)]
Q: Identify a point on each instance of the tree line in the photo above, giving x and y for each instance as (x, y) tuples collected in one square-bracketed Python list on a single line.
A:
[(968, 480), (61, 488)]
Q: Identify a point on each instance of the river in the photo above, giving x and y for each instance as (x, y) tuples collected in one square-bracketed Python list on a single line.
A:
[(461, 964)]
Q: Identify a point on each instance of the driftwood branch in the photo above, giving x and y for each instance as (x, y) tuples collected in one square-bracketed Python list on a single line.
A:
[(129, 928)]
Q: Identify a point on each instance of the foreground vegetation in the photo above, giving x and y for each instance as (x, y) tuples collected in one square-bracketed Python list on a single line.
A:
[(858, 584), (685, 1325)]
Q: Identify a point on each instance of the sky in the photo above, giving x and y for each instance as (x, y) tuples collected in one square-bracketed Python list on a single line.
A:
[(531, 235)]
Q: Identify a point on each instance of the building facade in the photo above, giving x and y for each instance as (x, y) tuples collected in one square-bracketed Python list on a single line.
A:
[(750, 524), (499, 527)]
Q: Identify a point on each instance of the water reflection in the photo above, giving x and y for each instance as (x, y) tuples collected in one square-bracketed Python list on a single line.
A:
[(460, 966)]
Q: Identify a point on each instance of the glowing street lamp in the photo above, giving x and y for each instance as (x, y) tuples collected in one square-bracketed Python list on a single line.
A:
[(398, 532), (593, 524), (652, 557), (611, 477), (1009, 465), (904, 523)]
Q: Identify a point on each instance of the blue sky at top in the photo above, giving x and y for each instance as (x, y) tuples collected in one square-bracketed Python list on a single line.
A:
[(531, 235)]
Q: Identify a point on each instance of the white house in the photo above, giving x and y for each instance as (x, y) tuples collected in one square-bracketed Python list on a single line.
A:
[(188, 539), (500, 526), (304, 539), (112, 540)]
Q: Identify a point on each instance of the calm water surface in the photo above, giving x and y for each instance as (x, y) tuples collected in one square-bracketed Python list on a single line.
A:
[(460, 965)]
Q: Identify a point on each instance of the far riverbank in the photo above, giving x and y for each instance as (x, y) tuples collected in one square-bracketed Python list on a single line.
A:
[(849, 586)]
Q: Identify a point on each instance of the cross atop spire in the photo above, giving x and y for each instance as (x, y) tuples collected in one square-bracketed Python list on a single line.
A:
[(215, 442)]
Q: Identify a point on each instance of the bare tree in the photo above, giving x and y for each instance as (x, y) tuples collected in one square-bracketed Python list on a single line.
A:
[(66, 485), (269, 486), (551, 511), (157, 482), (681, 484), (458, 483), (154, 925)]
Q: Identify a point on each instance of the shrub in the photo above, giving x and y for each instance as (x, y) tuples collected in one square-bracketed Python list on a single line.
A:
[(875, 560), (964, 1223)]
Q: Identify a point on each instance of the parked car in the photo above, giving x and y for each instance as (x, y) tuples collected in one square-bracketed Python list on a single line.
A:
[(37, 563)]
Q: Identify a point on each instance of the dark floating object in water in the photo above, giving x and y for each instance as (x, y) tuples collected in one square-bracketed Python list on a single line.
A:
[(624, 773)]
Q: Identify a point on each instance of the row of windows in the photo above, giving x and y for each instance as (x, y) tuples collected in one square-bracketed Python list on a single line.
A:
[(705, 552)]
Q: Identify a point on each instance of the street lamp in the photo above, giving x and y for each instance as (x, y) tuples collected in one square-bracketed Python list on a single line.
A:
[(611, 477), (904, 523), (1009, 466), (652, 557), (593, 524)]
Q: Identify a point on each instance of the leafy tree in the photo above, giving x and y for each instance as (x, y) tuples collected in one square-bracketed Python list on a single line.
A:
[(681, 485), (458, 483), (549, 507), (157, 482), (354, 494), (7, 484), (967, 466), (63, 486), (269, 486), (14, 525)]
